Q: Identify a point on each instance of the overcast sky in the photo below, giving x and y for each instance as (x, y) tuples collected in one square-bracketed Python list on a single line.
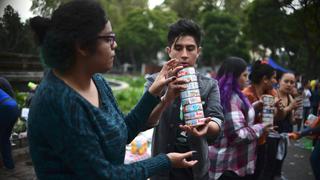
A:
[(23, 7)]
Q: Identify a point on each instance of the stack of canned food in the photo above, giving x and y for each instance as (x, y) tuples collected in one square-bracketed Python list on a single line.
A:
[(267, 111), (190, 98)]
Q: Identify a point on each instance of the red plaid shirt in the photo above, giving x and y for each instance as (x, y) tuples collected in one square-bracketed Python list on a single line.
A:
[(236, 149)]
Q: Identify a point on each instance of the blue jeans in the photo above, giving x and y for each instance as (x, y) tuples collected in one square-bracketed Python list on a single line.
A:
[(315, 160), (8, 116)]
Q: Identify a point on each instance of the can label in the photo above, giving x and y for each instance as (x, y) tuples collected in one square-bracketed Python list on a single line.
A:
[(186, 71), (192, 85), (190, 93), (299, 111), (193, 115), (195, 122), (191, 100), (190, 78), (267, 114), (268, 100), (192, 107)]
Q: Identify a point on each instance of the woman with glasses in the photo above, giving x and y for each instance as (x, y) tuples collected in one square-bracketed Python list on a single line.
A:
[(75, 129)]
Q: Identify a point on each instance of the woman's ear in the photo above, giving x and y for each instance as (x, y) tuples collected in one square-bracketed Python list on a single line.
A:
[(265, 79), (81, 50)]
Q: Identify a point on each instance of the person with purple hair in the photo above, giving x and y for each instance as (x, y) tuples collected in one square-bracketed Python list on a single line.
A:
[(233, 156)]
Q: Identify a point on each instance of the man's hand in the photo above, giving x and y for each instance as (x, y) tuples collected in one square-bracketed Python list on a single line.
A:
[(202, 129), (174, 89), (178, 160)]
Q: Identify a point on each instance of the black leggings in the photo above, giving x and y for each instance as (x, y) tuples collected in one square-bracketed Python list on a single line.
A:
[(273, 166)]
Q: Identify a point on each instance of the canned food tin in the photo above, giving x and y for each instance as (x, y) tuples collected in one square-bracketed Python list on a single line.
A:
[(190, 93), (192, 85), (298, 113), (190, 100), (195, 122), (186, 71), (267, 114), (191, 78), (192, 107), (193, 115), (267, 100)]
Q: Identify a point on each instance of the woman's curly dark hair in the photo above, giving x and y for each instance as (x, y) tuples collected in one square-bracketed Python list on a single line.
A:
[(259, 70), (78, 21)]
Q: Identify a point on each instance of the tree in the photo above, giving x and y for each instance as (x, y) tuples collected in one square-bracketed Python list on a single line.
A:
[(143, 34), (222, 38), (292, 26), (46, 7), (14, 35)]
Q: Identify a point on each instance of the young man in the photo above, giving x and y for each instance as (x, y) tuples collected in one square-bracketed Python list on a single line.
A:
[(170, 134)]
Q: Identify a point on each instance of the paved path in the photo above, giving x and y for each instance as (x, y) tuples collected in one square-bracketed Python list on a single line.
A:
[(296, 166)]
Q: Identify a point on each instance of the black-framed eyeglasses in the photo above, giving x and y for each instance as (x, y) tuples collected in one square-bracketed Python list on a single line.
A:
[(111, 38)]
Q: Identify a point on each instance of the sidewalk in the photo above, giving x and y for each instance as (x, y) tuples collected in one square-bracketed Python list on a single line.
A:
[(23, 171), (296, 165)]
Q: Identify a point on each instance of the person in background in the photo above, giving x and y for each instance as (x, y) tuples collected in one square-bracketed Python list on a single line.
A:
[(306, 94), (75, 128), (262, 77), (6, 86), (9, 113), (315, 97), (233, 157), (284, 123), (170, 135)]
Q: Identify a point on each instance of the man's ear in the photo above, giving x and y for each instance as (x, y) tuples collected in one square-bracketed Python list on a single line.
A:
[(199, 51), (168, 50)]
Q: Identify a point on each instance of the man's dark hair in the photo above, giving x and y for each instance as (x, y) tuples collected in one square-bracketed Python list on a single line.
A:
[(76, 22), (184, 27)]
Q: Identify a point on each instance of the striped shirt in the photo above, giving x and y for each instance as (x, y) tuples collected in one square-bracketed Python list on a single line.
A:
[(235, 149)]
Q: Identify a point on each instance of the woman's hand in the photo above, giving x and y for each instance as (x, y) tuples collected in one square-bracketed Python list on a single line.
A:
[(178, 160), (165, 76), (257, 106), (294, 135), (295, 103), (269, 128), (279, 105)]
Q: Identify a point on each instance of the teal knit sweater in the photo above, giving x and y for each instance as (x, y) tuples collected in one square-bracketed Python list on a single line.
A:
[(70, 138)]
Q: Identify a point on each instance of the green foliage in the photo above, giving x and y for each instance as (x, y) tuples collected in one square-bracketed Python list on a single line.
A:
[(20, 126), (46, 7), (15, 36), (129, 97), (290, 25), (143, 34), (21, 98), (222, 38)]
